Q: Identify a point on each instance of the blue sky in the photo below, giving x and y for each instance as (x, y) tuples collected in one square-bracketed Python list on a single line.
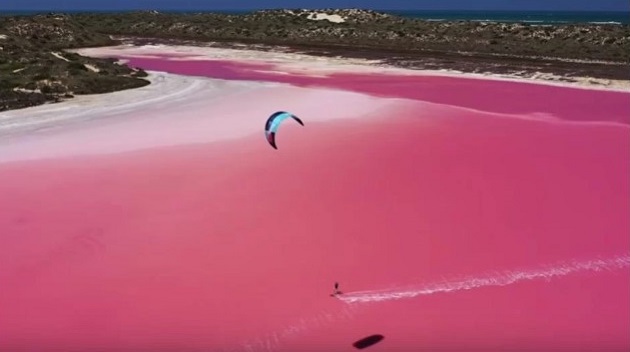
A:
[(571, 5)]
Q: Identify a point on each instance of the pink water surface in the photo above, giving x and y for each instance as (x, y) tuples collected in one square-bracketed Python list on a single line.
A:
[(226, 245), (487, 95)]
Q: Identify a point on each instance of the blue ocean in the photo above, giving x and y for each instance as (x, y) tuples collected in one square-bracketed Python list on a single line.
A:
[(532, 17)]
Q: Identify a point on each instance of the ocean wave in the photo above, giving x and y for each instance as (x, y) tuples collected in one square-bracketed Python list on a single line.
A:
[(534, 20), (606, 22), (543, 21)]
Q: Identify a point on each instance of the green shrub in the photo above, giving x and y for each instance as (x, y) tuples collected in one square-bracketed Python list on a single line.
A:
[(7, 84), (76, 66), (42, 76)]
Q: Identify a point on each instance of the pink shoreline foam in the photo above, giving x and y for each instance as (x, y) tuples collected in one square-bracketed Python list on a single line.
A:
[(229, 244)]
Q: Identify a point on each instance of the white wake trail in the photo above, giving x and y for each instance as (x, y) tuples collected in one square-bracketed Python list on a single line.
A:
[(274, 340), (499, 279)]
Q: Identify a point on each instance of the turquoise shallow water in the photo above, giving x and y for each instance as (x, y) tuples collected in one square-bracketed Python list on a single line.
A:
[(533, 17)]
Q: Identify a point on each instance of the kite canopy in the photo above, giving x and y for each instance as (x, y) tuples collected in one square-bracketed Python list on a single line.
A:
[(273, 123)]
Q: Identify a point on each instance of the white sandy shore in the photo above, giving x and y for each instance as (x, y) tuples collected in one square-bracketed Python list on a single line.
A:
[(164, 90), (298, 63), (173, 110)]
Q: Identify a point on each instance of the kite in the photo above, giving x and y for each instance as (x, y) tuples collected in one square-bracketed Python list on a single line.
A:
[(273, 123)]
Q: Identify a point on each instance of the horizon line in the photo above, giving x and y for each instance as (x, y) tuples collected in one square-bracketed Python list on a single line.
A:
[(301, 8)]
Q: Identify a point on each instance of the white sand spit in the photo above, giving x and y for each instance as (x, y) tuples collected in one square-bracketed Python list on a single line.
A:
[(92, 68), (59, 56)]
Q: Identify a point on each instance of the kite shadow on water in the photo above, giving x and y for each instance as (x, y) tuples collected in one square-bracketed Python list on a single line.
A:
[(368, 341)]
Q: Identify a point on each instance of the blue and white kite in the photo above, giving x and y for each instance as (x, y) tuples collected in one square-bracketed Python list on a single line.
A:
[(273, 123)]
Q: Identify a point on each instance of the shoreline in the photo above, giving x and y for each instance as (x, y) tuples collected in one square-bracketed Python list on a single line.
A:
[(164, 93), (19, 122), (368, 60), (576, 54)]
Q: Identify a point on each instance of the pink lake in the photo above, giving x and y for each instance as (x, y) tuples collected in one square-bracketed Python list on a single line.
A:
[(233, 246)]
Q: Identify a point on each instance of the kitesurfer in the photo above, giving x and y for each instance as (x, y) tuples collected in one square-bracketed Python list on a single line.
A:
[(336, 291)]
